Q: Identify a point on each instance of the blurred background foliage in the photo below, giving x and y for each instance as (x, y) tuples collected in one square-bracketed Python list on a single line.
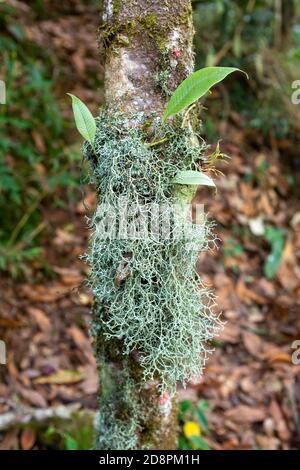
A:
[(38, 166), (261, 37), (34, 160)]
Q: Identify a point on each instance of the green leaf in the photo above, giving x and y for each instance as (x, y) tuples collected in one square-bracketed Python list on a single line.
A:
[(50, 431), (203, 405), (275, 236), (183, 444), (185, 405), (71, 443), (85, 122), (202, 421), (194, 87), (195, 178), (200, 443)]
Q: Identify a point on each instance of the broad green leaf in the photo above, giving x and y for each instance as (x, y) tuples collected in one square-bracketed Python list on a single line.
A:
[(194, 87), (195, 178), (84, 119)]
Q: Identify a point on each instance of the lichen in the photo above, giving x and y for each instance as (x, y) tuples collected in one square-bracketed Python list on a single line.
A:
[(162, 81), (148, 293)]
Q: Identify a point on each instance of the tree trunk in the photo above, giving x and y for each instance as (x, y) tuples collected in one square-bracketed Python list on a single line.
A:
[(148, 52)]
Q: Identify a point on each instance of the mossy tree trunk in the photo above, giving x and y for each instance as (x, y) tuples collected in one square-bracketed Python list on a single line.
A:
[(148, 52)]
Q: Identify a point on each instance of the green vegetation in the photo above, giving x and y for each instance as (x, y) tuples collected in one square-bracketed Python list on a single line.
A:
[(34, 163), (74, 434), (276, 238), (194, 425), (264, 40), (194, 87)]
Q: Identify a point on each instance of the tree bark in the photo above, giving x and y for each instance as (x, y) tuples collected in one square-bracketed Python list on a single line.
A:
[(148, 52), (142, 39)]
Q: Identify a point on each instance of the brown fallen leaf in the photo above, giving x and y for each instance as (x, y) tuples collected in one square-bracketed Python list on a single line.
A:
[(9, 440), (69, 276), (40, 318), (273, 354), (45, 293), (38, 142), (286, 277), (230, 444), (3, 390), (28, 438), (33, 397), (11, 366), (91, 380), (85, 299), (78, 337), (249, 295), (82, 342), (61, 377), (213, 444), (78, 61), (11, 323), (266, 442), (266, 288), (280, 423), (65, 237), (88, 203), (230, 334), (247, 385), (279, 356), (253, 343), (245, 414)]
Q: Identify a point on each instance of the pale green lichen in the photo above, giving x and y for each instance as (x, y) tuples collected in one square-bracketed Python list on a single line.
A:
[(160, 307), (162, 81)]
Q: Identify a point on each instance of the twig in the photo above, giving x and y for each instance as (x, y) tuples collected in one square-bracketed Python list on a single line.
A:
[(27, 415), (161, 141)]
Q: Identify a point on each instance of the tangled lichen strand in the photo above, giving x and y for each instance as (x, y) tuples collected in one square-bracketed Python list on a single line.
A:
[(160, 307)]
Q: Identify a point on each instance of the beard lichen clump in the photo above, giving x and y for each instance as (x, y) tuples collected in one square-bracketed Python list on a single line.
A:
[(148, 293)]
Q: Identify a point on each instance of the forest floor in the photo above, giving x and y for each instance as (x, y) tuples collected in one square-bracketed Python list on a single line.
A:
[(250, 383)]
